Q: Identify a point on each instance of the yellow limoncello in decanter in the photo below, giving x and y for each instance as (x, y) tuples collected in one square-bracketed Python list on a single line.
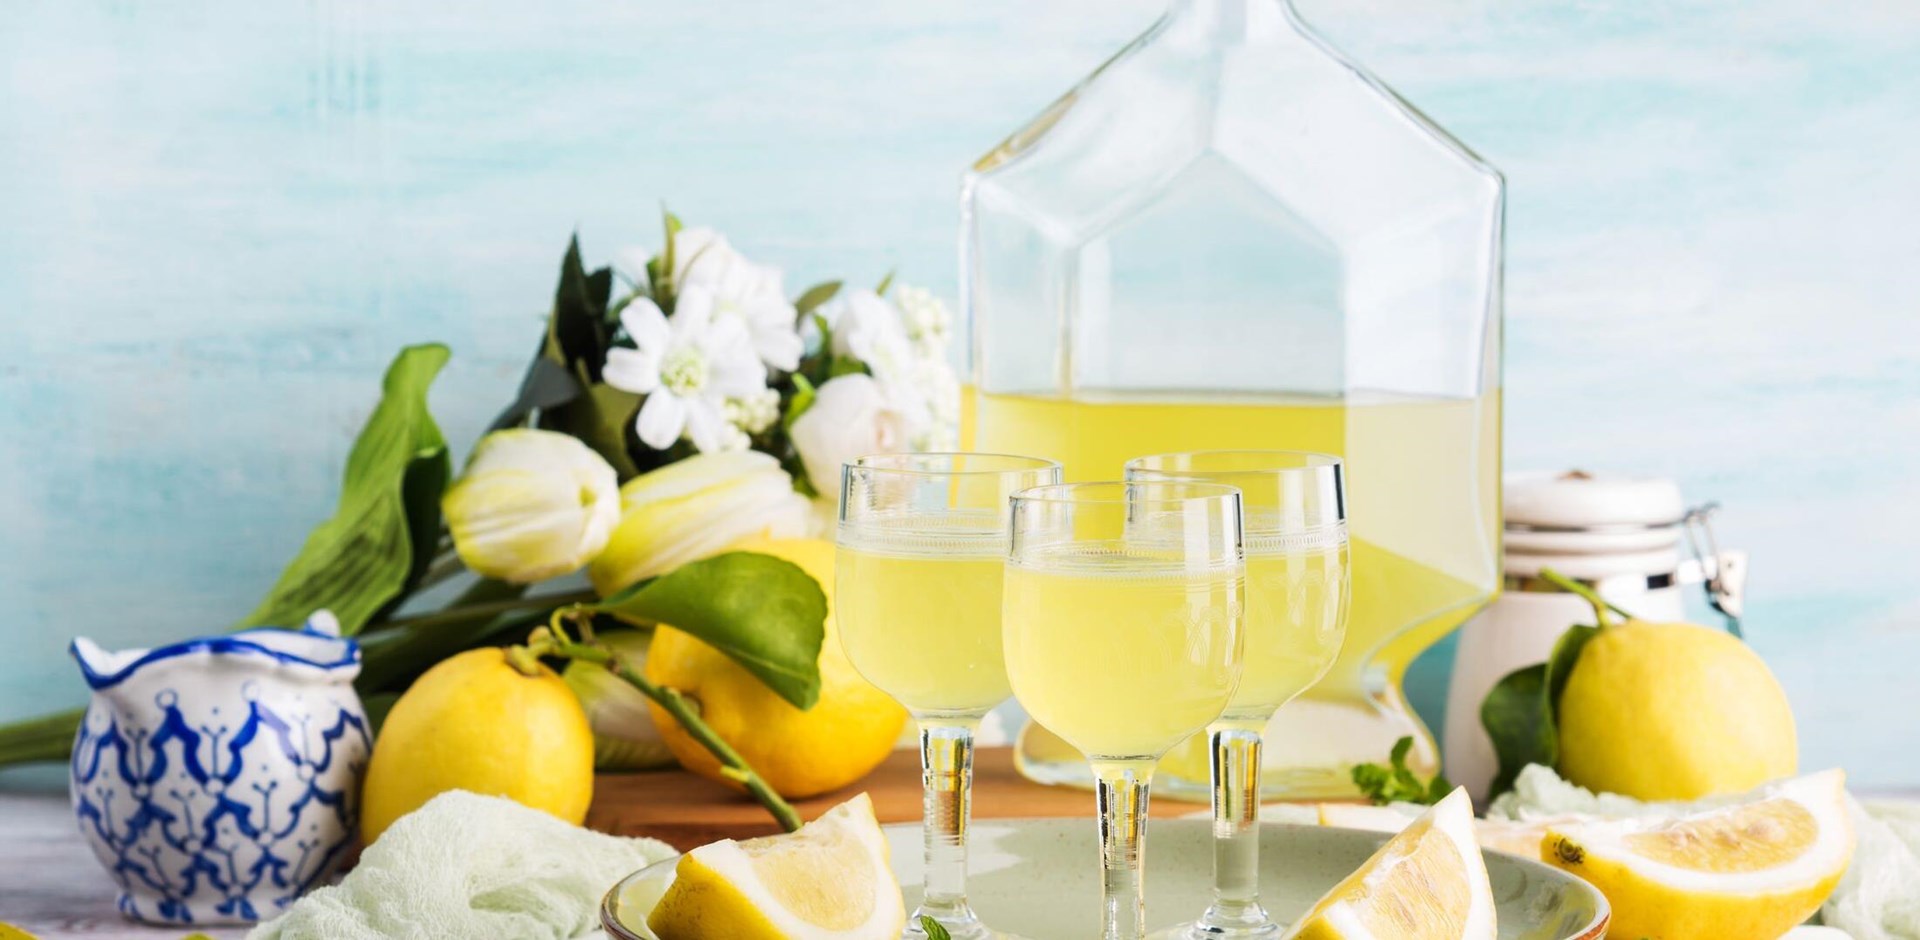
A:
[(1230, 236)]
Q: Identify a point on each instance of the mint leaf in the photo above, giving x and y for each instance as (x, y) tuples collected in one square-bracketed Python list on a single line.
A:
[(355, 563), (933, 929), (766, 613), (1398, 783)]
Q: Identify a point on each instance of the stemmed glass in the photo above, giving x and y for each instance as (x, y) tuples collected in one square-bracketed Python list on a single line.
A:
[(1296, 549), (1122, 619), (922, 539)]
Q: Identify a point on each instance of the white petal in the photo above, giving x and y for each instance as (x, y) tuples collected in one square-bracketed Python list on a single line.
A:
[(703, 424), (632, 370), (692, 312), (646, 324), (778, 348), (661, 419)]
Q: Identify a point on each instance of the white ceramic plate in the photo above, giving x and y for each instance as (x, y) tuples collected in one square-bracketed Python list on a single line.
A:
[(1040, 879)]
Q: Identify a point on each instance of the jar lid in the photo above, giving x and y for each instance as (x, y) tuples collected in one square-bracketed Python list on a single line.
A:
[(1579, 512)]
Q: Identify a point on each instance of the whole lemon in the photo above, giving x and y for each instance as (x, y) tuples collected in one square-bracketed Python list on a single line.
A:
[(846, 734), (475, 722), (1673, 711)]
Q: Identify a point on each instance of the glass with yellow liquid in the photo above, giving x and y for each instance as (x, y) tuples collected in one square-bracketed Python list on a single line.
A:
[(1122, 617), (922, 544), (1421, 477), (1295, 533)]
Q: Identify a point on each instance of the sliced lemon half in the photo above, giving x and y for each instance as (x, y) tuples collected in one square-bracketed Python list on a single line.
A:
[(829, 881), (1427, 883), (1746, 871)]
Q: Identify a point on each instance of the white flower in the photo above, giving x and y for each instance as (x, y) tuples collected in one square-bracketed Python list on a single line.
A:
[(926, 320), (851, 416), (939, 387), (753, 293), (688, 367), (756, 412)]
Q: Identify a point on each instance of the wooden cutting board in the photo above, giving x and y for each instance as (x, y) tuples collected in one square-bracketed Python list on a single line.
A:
[(687, 811)]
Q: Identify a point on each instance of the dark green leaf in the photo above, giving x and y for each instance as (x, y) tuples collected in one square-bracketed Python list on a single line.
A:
[(766, 613), (813, 297), (1516, 717), (932, 929), (426, 479), (356, 562), (846, 365), (1522, 711), (548, 384), (803, 395), (391, 658), (577, 331), (600, 419), (885, 283)]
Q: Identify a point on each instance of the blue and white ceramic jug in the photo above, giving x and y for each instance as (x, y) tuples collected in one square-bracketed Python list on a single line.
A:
[(217, 779)]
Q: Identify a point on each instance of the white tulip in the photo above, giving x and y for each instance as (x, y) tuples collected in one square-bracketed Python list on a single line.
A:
[(851, 416), (531, 505), (695, 508)]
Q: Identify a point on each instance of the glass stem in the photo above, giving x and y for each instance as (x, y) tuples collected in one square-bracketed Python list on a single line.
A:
[(946, 777), (1236, 910), (1123, 827)]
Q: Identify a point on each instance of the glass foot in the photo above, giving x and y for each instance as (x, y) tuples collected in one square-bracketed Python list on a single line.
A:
[(961, 925), (1200, 931)]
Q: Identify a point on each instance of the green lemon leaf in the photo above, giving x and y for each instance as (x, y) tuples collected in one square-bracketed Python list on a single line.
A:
[(766, 613), (1522, 711), (1516, 717), (357, 562)]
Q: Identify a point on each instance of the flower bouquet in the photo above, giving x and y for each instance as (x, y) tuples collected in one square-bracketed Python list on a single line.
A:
[(678, 405)]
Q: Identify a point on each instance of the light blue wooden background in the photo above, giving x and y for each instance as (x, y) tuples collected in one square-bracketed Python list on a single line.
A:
[(218, 220)]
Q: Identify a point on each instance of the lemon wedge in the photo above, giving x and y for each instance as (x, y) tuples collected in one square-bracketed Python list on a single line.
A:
[(1427, 883), (829, 881), (1750, 870)]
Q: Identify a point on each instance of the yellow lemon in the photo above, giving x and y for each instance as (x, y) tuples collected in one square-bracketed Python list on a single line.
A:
[(10, 932), (1427, 883), (831, 881), (1672, 712), (1748, 871), (475, 722), (846, 734)]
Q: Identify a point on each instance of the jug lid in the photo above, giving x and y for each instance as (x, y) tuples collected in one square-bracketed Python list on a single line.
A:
[(317, 645), (1580, 512)]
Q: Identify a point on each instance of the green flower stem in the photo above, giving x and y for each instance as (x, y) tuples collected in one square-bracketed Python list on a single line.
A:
[(1600, 604), (554, 642), (489, 609), (444, 568)]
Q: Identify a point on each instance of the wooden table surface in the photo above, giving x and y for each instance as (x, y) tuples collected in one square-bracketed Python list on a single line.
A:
[(51, 885)]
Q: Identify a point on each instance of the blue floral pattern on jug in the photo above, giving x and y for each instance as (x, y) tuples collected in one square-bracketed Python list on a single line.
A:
[(217, 779)]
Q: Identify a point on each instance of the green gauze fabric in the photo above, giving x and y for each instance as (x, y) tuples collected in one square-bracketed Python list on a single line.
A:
[(466, 866)]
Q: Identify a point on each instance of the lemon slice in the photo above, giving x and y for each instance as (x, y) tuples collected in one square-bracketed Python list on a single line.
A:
[(828, 881), (1746, 871), (1427, 883)]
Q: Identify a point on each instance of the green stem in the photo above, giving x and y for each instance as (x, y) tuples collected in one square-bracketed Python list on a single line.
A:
[(733, 766), (1600, 604), (47, 738), (489, 609), (444, 568)]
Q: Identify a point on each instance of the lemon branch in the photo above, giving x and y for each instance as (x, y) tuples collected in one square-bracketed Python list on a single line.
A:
[(1600, 604), (553, 640)]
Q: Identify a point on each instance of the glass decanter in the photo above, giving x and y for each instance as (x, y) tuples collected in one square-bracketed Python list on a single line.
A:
[(1229, 236)]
